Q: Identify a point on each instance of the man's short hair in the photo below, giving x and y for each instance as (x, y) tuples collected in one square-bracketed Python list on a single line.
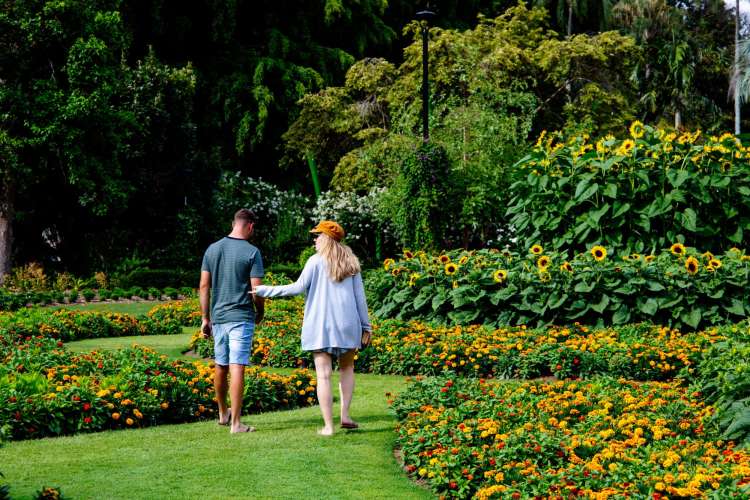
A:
[(245, 216)]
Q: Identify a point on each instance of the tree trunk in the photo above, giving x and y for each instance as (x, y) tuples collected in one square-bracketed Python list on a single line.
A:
[(677, 120), (737, 68), (570, 18), (6, 229)]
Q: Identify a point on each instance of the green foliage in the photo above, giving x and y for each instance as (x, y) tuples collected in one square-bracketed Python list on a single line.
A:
[(722, 376), (281, 231), (682, 289), (421, 206), (637, 195)]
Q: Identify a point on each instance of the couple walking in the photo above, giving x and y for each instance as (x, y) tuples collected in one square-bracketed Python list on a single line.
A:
[(335, 323)]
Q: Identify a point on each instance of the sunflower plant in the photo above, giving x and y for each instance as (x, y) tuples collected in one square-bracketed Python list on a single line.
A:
[(636, 194), (677, 286)]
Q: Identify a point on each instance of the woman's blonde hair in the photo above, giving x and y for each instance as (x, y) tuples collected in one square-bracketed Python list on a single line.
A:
[(342, 263)]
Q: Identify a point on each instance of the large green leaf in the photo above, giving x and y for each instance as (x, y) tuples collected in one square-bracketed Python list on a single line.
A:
[(602, 305), (693, 318), (689, 219), (649, 306)]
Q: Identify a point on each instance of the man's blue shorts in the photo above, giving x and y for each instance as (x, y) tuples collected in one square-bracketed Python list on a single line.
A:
[(232, 342)]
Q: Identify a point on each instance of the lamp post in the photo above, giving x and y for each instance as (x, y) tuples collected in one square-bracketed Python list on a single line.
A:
[(425, 16)]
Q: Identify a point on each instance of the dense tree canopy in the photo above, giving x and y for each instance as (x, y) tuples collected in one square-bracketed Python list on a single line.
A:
[(117, 117)]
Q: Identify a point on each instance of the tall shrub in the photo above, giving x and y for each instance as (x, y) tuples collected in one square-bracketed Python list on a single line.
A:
[(637, 194)]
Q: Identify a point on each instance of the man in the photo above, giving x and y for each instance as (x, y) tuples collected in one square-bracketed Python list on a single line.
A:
[(231, 268)]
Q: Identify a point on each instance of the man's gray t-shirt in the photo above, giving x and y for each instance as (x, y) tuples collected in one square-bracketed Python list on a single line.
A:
[(232, 262)]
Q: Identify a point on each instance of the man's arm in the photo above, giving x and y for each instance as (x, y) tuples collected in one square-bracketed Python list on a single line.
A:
[(260, 302), (204, 293)]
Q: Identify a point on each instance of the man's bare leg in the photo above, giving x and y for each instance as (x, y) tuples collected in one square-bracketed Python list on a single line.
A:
[(236, 389), (221, 386)]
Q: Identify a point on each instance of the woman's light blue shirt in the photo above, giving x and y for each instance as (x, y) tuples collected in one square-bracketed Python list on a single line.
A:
[(335, 312)]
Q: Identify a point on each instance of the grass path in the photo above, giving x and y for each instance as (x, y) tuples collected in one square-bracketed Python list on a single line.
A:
[(285, 458)]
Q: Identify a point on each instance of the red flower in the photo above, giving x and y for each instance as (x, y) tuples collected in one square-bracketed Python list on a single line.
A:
[(87, 420), (576, 361), (86, 406), (449, 383), (492, 462), (453, 485)]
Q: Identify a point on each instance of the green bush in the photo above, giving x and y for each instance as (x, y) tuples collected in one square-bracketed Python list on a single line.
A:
[(722, 378), (172, 293), (88, 294), (136, 291), (72, 296), (677, 287), (154, 293), (640, 194), (158, 278), (104, 294)]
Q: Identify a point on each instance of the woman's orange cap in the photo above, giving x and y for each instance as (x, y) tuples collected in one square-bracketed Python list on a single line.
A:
[(330, 228)]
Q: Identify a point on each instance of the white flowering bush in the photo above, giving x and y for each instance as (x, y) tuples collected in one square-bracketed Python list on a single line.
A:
[(284, 216), (368, 230)]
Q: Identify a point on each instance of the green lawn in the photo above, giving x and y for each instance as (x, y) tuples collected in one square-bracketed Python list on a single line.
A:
[(135, 308), (285, 458), (171, 345)]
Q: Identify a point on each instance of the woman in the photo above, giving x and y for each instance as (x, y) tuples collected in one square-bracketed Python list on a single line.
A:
[(336, 321)]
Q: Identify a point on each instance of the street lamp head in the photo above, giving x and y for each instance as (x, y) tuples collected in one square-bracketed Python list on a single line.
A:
[(425, 15)]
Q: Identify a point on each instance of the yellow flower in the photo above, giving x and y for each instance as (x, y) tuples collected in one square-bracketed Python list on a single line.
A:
[(408, 255), (129, 421), (637, 130), (715, 263), (599, 253), (137, 414), (537, 249), (500, 275), (691, 264), (707, 255), (450, 269), (649, 258), (543, 262), (413, 278), (566, 266), (677, 249), (626, 147), (115, 416), (387, 263), (444, 259)]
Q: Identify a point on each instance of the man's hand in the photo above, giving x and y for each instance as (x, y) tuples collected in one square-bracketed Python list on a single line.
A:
[(206, 329)]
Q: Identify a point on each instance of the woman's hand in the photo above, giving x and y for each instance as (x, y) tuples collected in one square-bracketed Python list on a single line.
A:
[(366, 338)]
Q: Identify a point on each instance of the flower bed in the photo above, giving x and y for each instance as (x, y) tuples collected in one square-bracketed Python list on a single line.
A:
[(602, 438), (48, 391), (641, 352), (679, 287)]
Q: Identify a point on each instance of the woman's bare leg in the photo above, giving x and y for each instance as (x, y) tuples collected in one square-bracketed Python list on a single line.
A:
[(346, 384), (325, 398)]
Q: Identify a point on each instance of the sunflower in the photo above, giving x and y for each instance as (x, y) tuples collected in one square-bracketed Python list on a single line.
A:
[(451, 268), (500, 275), (710, 268), (649, 258), (599, 253), (677, 249), (537, 249), (635, 256), (387, 263), (716, 263), (544, 276), (408, 255), (463, 260), (396, 271), (626, 147), (691, 264), (745, 258), (413, 278), (566, 267), (543, 262), (637, 130), (735, 250), (707, 255), (444, 259)]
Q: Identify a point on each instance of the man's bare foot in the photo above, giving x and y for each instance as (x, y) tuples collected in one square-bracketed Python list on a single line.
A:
[(242, 428), (225, 418), (325, 431)]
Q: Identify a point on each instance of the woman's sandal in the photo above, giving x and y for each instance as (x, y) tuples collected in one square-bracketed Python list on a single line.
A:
[(349, 425)]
